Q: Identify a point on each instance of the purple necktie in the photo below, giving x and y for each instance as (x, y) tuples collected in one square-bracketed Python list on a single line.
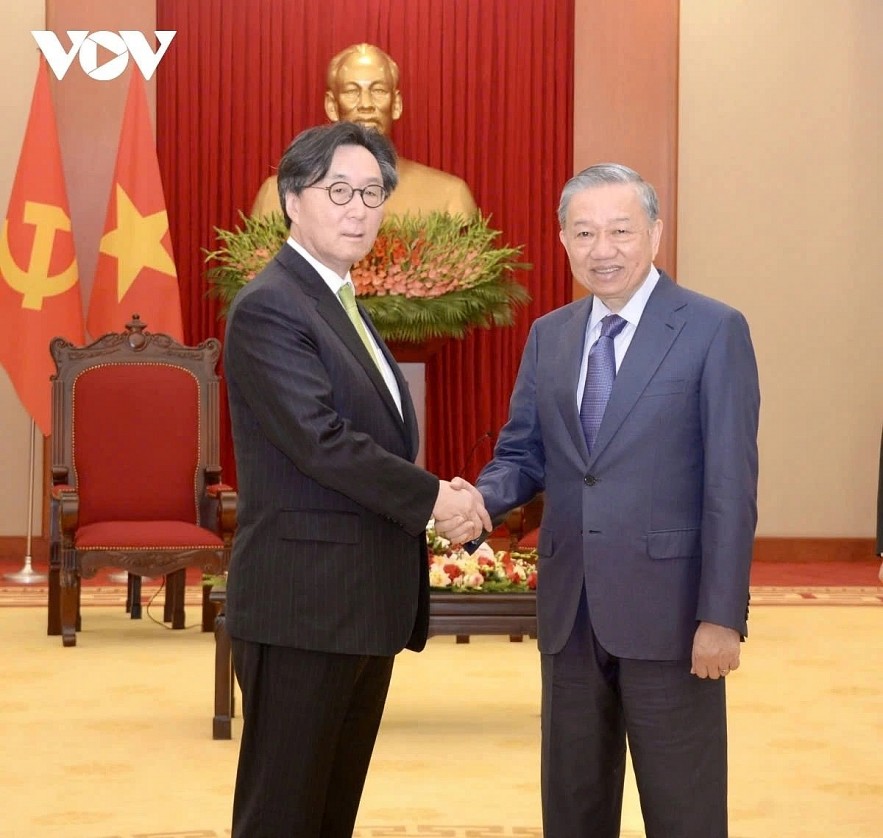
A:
[(600, 374)]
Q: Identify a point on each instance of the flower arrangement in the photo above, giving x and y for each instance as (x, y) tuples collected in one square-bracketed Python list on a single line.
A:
[(454, 570), (426, 277)]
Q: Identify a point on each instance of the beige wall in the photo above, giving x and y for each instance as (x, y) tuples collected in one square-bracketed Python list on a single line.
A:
[(780, 197), (780, 205), (88, 113), (19, 70)]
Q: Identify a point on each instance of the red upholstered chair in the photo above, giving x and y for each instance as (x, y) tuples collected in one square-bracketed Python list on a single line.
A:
[(135, 473)]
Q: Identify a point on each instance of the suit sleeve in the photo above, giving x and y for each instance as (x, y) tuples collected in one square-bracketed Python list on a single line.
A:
[(516, 472), (274, 358), (729, 405)]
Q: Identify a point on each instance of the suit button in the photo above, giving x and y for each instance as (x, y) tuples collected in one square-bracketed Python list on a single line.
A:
[(591, 480)]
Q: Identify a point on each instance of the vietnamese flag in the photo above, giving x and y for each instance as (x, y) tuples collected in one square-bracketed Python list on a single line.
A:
[(136, 270), (39, 279)]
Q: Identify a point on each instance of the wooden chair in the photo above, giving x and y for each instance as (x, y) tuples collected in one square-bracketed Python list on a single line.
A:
[(136, 480)]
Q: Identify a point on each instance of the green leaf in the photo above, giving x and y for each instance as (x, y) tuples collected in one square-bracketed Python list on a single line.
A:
[(426, 277)]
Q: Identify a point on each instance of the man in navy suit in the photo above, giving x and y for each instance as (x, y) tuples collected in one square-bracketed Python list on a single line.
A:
[(649, 469), (329, 577)]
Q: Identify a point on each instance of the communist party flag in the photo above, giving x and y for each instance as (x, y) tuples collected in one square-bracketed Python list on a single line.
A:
[(39, 279), (136, 270)]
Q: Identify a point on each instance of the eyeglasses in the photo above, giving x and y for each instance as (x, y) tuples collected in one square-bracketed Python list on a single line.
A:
[(342, 193)]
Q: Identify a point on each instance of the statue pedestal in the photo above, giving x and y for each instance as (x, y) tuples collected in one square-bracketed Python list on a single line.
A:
[(412, 358)]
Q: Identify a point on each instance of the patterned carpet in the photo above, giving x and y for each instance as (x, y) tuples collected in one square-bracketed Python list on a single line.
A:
[(112, 739), (35, 595), (808, 595)]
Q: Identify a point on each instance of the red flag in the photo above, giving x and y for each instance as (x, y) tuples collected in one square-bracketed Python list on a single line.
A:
[(136, 269), (39, 279)]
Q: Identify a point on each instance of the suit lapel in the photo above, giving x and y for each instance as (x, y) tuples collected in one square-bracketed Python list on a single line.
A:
[(409, 414), (573, 338), (332, 312), (659, 327)]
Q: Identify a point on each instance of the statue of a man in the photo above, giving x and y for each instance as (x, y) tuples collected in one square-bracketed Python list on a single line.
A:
[(362, 86)]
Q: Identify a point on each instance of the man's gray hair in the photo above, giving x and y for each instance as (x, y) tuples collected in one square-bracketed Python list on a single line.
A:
[(605, 173)]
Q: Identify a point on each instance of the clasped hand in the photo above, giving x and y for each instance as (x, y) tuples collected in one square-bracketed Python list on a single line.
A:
[(459, 511)]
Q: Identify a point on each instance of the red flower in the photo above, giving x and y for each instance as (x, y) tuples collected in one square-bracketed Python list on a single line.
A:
[(532, 580), (453, 571)]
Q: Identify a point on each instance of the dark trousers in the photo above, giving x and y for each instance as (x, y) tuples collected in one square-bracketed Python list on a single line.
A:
[(310, 720), (676, 729)]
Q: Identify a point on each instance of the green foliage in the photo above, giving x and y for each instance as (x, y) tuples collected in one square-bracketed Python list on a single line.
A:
[(426, 277)]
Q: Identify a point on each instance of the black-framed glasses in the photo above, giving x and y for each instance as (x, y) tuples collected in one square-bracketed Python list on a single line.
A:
[(342, 193)]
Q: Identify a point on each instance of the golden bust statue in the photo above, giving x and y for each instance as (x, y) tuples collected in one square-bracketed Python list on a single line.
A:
[(362, 86)]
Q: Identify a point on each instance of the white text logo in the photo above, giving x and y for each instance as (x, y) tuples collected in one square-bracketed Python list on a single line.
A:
[(120, 44)]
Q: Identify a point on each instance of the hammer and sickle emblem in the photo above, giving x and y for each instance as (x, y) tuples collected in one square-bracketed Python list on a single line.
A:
[(35, 284)]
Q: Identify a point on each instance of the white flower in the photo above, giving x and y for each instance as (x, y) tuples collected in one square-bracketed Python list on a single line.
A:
[(438, 578), (519, 571), (473, 580), (484, 549)]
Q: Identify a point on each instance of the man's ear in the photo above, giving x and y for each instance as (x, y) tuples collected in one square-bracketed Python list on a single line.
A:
[(292, 205), (331, 107), (656, 236), (396, 110)]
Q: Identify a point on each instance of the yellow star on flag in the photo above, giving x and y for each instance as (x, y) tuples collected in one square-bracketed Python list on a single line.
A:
[(136, 271), (136, 242)]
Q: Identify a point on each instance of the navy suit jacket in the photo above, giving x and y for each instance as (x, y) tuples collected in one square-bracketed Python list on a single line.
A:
[(659, 520), (330, 551)]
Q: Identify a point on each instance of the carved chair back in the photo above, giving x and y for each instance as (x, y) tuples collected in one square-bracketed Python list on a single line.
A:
[(135, 467)]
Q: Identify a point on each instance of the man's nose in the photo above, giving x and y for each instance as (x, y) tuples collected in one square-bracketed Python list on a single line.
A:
[(365, 100), (603, 245), (356, 206)]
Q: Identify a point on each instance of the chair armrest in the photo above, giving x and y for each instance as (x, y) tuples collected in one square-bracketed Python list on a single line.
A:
[(215, 489), (66, 500), (225, 500), (55, 492)]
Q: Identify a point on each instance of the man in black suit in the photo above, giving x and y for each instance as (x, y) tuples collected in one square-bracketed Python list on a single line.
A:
[(329, 575)]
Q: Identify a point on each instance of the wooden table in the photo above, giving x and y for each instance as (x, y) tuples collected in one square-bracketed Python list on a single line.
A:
[(452, 614)]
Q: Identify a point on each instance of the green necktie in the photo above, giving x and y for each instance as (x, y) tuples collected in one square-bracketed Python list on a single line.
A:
[(348, 298)]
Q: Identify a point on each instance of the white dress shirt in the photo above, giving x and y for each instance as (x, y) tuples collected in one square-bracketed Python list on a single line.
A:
[(335, 283), (631, 313)]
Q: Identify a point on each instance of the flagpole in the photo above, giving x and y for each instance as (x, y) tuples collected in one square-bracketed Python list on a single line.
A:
[(27, 575)]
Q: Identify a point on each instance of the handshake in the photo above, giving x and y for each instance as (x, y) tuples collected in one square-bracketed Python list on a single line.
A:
[(459, 511)]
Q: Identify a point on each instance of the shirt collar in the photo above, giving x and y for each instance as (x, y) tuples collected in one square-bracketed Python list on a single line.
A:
[(331, 279), (633, 309)]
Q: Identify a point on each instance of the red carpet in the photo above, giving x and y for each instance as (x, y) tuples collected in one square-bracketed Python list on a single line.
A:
[(859, 573), (822, 583), (816, 573)]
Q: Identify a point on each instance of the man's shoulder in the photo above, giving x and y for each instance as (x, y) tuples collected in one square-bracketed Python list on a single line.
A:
[(698, 303), (272, 279), (557, 317), (411, 168), (423, 189), (267, 199)]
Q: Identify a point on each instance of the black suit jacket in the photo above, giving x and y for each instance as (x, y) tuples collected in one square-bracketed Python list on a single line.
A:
[(330, 551)]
